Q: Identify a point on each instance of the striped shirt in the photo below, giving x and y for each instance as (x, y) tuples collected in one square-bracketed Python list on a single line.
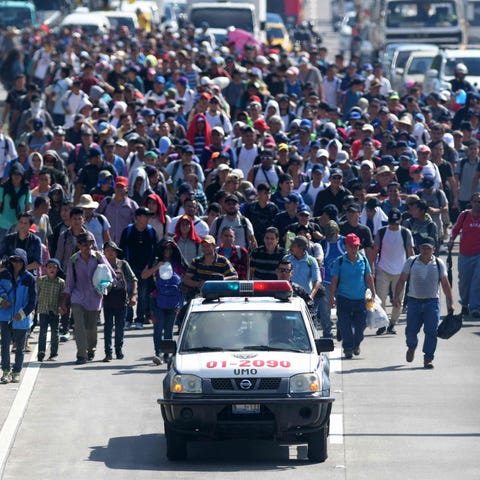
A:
[(220, 266), (49, 294), (265, 263)]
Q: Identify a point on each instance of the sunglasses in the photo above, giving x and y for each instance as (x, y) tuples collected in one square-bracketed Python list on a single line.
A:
[(16, 260), (284, 270)]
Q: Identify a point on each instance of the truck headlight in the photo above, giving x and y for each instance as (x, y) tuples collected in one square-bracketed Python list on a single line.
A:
[(305, 383), (186, 384)]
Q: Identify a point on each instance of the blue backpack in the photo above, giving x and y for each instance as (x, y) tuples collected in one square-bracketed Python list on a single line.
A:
[(169, 295)]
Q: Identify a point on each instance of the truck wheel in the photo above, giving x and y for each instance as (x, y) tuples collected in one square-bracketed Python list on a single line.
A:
[(317, 445), (176, 445)]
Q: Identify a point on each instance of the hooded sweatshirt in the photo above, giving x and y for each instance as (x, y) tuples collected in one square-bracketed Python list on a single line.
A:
[(21, 293)]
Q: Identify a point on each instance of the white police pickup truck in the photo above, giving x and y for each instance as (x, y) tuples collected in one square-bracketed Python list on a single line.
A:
[(247, 364)]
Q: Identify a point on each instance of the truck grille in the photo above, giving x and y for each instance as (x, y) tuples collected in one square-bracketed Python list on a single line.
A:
[(256, 383)]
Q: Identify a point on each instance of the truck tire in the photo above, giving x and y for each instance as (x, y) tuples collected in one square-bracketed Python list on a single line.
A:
[(176, 445), (317, 445)]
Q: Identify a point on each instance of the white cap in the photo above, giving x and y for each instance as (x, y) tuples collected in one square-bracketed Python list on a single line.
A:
[(322, 153)]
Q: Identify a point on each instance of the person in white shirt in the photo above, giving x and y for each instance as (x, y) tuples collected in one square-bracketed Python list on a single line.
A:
[(393, 244), (248, 151), (72, 101), (217, 118), (309, 190)]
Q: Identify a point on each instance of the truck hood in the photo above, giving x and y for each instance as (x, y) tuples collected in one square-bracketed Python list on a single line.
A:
[(259, 364)]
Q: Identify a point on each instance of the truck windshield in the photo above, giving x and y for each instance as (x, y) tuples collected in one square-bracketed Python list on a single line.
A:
[(15, 16), (223, 18), (49, 4), (411, 14), (251, 330)]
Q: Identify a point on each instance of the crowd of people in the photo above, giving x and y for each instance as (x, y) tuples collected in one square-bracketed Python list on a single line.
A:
[(173, 161)]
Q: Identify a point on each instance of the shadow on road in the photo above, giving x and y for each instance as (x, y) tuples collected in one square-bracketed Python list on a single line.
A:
[(147, 452)]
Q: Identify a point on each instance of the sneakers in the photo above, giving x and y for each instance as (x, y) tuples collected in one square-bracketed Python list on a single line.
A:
[(128, 325), (138, 326), (381, 331), (65, 337), (391, 330), (16, 377), (52, 358), (40, 356), (6, 377), (475, 314), (428, 364), (348, 355), (90, 356), (108, 358), (28, 348), (465, 310), (81, 361), (356, 351), (157, 360), (410, 355), (119, 354)]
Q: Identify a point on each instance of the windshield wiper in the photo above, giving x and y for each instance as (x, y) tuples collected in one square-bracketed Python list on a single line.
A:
[(204, 349), (268, 348)]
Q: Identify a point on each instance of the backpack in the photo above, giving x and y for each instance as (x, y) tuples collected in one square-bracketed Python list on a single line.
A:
[(436, 263), (169, 295), (381, 234), (243, 223)]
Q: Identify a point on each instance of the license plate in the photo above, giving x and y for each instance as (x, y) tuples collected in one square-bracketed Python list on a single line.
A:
[(246, 409)]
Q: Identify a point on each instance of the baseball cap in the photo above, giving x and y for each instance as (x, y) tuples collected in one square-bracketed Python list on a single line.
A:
[(121, 181), (336, 172), (93, 152), (394, 216), (103, 175), (209, 239), (231, 198), (372, 203), (342, 157), (423, 149), (354, 207), (352, 239), (322, 153), (142, 211), (318, 167), (427, 241), (415, 169), (367, 163), (304, 209), (292, 197)]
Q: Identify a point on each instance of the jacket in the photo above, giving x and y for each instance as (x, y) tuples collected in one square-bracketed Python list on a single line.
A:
[(22, 294)]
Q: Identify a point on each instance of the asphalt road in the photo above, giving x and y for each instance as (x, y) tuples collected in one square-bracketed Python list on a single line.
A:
[(390, 419)]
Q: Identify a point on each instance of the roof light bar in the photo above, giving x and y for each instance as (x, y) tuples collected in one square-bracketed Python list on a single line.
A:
[(279, 289)]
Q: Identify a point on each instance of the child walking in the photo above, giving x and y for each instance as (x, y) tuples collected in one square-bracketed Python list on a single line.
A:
[(50, 291)]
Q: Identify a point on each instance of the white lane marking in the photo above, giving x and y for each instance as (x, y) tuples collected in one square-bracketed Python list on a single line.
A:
[(336, 428), (336, 419), (17, 410)]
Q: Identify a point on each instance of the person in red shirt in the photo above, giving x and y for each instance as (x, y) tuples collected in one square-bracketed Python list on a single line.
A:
[(468, 223)]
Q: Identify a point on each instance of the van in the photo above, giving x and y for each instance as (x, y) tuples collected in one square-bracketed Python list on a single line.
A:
[(415, 69), (89, 22), (17, 14)]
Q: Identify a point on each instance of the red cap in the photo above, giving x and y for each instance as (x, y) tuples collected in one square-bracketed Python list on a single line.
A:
[(121, 181), (260, 125), (352, 239), (415, 169)]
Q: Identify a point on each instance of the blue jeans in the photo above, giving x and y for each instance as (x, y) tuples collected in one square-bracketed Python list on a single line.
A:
[(426, 313), (352, 321), (114, 316), (323, 312), (163, 326), (20, 337), (469, 281), (142, 300), (47, 320)]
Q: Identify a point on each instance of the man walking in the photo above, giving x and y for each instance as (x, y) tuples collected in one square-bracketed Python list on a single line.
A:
[(425, 272), (351, 276)]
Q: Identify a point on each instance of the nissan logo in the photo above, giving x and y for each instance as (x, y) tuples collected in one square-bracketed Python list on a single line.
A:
[(245, 384)]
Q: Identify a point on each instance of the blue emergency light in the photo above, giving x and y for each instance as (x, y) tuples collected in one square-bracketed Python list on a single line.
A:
[(214, 289)]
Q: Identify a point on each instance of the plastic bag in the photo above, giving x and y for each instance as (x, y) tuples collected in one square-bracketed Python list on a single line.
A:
[(102, 278), (377, 317)]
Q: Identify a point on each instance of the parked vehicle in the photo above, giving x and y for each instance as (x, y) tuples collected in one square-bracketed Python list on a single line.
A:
[(89, 22), (472, 17), (415, 69), (121, 19), (443, 68), (17, 14)]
